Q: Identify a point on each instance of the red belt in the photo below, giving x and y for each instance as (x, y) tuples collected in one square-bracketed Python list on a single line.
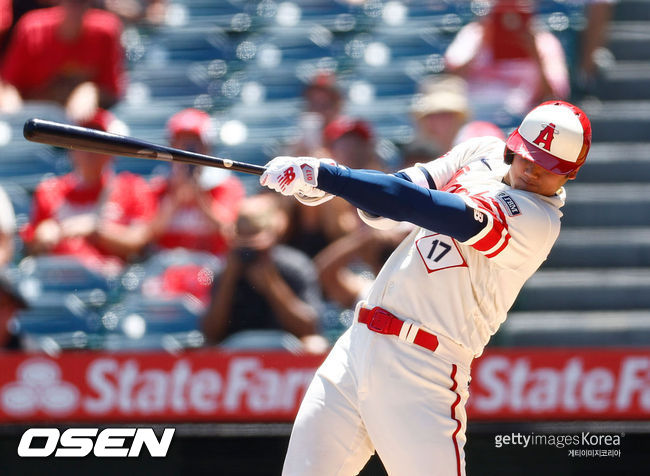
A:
[(383, 322)]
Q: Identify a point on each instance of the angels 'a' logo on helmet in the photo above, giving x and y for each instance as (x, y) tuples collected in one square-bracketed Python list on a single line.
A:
[(546, 136)]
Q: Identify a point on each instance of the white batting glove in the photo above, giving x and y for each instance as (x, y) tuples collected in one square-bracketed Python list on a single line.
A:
[(294, 176)]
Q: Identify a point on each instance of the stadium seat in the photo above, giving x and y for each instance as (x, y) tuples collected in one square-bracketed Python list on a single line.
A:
[(575, 329), (56, 312), (140, 274), (52, 343), (170, 342), (136, 316), (262, 340), (48, 275), (63, 273)]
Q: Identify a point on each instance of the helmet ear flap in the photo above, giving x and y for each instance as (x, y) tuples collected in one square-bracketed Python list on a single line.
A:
[(508, 156)]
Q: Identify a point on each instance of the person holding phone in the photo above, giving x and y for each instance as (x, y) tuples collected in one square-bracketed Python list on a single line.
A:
[(265, 284), (197, 206)]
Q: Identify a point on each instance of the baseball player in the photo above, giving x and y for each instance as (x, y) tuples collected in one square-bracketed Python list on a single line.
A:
[(487, 214)]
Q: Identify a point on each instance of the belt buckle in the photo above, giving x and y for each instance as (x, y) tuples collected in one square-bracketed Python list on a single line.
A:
[(380, 320)]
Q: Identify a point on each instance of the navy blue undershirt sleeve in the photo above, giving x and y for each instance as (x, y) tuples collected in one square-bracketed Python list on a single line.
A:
[(398, 199), (404, 176)]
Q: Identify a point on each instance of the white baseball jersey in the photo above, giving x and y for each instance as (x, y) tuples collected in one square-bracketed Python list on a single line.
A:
[(463, 290), (378, 392)]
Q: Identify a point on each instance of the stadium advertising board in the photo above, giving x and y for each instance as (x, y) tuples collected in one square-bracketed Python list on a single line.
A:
[(209, 385)]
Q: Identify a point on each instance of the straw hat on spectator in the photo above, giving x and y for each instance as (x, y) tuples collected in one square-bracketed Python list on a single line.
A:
[(443, 93)]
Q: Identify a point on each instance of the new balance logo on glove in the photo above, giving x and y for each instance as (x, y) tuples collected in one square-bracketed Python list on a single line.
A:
[(287, 177)]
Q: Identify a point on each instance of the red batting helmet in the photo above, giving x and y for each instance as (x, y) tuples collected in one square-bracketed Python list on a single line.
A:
[(555, 135)]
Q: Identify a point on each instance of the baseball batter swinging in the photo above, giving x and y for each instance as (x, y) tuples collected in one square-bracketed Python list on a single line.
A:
[(486, 216)]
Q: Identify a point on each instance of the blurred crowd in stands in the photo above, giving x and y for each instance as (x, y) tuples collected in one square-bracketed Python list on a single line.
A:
[(247, 260)]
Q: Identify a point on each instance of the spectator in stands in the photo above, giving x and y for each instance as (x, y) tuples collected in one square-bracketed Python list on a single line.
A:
[(6, 20), (598, 13), (20, 7), (70, 54), (10, 302), (439, 110), (478, 129), (92, 213), (418, 152), (198, 206), (323, 102), (7, 229), (265, 285), (350, 142), (10, 102), (510, 64), (138, 11)]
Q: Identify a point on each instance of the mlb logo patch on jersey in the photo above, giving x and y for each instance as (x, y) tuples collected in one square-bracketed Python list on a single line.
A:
[(511, 206)]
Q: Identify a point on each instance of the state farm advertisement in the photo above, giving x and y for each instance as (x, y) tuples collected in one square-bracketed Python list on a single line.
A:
[(197, 386), (214, 386), (549, 384)]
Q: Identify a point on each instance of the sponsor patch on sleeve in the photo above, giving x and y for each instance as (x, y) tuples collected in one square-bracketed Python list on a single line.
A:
[(510, 205)]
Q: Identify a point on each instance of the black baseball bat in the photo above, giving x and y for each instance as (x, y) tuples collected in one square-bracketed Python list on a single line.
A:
[(93, 140)]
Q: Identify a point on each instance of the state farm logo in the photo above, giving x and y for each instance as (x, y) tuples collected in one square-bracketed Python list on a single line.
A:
[(39, 387), (569, 387), (110, 386)]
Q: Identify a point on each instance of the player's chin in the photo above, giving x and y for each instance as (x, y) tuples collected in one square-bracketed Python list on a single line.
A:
[(519, 185), (527, 186)]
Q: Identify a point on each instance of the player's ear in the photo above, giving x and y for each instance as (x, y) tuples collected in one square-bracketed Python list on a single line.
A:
[(572, 175)]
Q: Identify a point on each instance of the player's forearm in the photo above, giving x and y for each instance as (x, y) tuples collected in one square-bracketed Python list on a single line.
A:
[(10, 99), (161, 220), (124, 241), (217, 217), (295, 315), (593, 36), (6, 249), (215, 321), (398, 199), (339, 253), (336, 280)]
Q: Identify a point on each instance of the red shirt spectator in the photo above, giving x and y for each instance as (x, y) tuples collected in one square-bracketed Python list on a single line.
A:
[(126, 199), (6, 17), (198, 206), (509, 62), (54, 50), (191, 228), (91, 213)]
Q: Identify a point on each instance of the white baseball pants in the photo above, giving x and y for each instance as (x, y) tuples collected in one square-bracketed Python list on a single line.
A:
[(376, 392)]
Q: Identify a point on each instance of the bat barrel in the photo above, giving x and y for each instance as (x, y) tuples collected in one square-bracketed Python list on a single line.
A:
[(92, 140)]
